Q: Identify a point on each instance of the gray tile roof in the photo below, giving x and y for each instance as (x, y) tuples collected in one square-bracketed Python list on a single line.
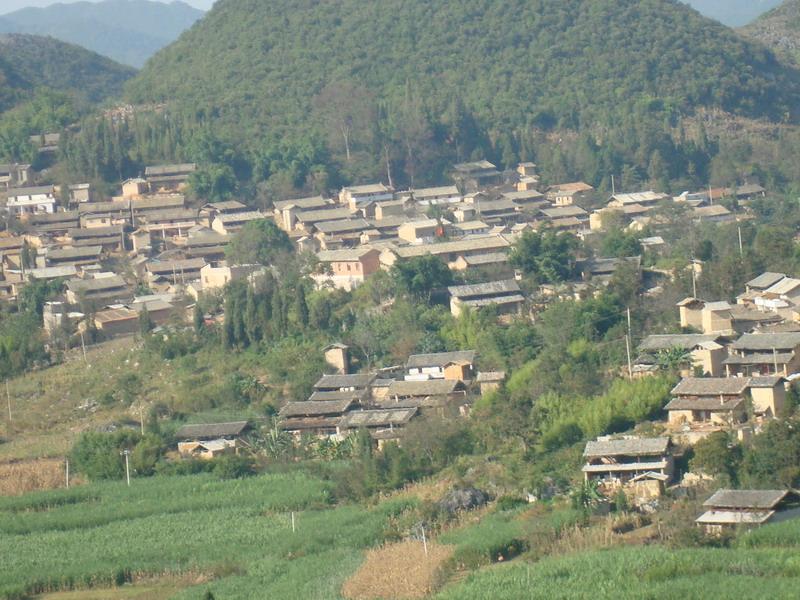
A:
[(484, 289), (707, 403), (439, 359), (627, 447), (315, 409), (711, 386), (302, 203), (431, 387), (335, 382), (343, 226), (176, 266), (765, 280), (767, 341), (746, 499), (686, 341), (96, 285), (760, 358), (210, 430), (179, 169), (378, 418), (74, 253), (766, 382), (95, 232), (320, 396)]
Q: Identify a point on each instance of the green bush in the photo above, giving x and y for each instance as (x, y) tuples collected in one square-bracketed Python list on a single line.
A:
[(232, 467)]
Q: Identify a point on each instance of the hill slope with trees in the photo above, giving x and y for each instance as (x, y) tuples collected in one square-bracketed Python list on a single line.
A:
[(128, 31), (779, 29), (29, 62), (424, 84)]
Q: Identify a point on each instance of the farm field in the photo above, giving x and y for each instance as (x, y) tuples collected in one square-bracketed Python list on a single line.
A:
[(181, 537), (236, 535), (641, 572)]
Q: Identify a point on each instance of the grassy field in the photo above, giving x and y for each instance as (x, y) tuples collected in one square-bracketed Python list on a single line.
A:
[(118, 381), (236, 533), (640, 572)]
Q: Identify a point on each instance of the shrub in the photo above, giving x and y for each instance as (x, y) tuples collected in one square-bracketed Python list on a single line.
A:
[(233, 467)]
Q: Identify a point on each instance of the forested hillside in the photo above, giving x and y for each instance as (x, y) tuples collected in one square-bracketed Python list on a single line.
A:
[(733, 13), (779, 29), (128, 31), (28, 62), (421, 85)]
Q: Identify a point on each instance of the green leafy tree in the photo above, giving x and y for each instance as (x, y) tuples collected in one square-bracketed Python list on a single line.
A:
[(259, 242), (145, 322), (420, 275), (98, 455), (674, 360), (717, 456), (546, 257), (213, 182)]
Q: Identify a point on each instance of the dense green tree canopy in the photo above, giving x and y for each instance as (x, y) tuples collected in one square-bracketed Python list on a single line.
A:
[(546, 257), (259, 242)]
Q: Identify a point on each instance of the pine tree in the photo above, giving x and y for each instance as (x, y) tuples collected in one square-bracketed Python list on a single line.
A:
[(301, 306), (197, 319), (145, 322)]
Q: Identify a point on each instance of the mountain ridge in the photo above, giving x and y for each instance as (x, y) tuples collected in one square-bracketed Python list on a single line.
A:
[(28, 62), (570, 49), (778, 29), (127, 31)]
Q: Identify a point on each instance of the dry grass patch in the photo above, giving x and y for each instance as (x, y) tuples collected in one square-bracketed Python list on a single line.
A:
[(148, 588), (399, 570), (31, 476)]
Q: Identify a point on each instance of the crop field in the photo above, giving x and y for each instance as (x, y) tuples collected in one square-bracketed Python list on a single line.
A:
[(237, 533), (641, 572)]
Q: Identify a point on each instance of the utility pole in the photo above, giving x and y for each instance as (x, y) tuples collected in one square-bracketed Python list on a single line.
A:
[(630, 329), (66, 466), (293, 525), (424, 541), (775, 359), (613, 187), (126, 453), (694, 280), (8, 400), (628, 352), (83, 347), (141, 417), (741, 247)]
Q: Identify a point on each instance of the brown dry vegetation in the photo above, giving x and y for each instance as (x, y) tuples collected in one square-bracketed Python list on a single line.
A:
[(398, 571), (149, 588), (31, 476)]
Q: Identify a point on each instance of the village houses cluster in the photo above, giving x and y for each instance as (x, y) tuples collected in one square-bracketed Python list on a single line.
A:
[(737, 365), (149, 249)]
